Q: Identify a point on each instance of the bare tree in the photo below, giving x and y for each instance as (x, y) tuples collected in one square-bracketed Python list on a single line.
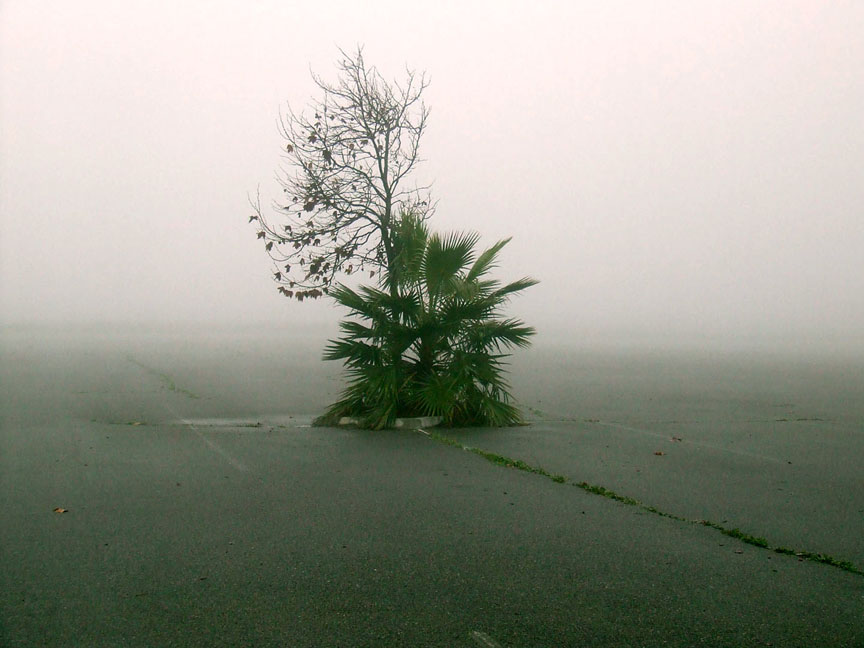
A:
[(346, 179)]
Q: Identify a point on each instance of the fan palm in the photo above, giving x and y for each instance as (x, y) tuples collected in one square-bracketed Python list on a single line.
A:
[(430, 340)]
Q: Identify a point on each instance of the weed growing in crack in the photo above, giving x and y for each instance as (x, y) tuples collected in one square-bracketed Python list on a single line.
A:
[(594, 489)]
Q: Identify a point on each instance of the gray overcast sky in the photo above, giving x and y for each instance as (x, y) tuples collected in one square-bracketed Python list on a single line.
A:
[(681, 169)]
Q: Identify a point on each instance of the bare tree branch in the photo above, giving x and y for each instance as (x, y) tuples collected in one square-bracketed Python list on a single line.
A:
[(343, 178)]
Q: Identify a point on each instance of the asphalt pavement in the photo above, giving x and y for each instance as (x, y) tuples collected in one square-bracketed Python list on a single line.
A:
[(202, 510)]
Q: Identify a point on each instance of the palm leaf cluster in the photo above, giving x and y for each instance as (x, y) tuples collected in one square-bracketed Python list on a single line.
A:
[(430, 339)]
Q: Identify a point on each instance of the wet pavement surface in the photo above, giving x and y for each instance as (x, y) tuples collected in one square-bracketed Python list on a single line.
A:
[(201, 509)]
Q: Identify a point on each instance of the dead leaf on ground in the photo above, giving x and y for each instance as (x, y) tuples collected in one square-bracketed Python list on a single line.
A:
[(659, 453), (674, 438), (61, 510)]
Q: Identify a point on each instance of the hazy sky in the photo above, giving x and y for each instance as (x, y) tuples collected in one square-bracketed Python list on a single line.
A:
[(681, 169)]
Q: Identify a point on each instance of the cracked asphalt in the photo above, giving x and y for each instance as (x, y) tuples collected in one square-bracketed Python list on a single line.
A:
[(211, 514)]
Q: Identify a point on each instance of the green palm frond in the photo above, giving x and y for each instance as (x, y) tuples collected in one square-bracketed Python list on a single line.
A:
[(515, 286), (354, 352), (486, 261), (497, 411), (460, 312), (445, 258), (435, 396), (500, 334), (409, 245), (430, 340), (344, 296), (356, 331)]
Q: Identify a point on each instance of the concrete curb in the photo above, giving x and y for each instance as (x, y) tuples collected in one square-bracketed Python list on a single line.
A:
[(401, 423)]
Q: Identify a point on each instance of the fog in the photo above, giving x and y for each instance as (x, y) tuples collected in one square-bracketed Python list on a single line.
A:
[(673, 172)]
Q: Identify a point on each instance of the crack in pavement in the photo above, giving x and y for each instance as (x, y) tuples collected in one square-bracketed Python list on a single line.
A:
[(169, 383), (737, 534)]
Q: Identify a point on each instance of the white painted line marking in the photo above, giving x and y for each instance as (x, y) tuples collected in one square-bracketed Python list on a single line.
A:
[(239, 466), (215, 448), (484, 640)]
